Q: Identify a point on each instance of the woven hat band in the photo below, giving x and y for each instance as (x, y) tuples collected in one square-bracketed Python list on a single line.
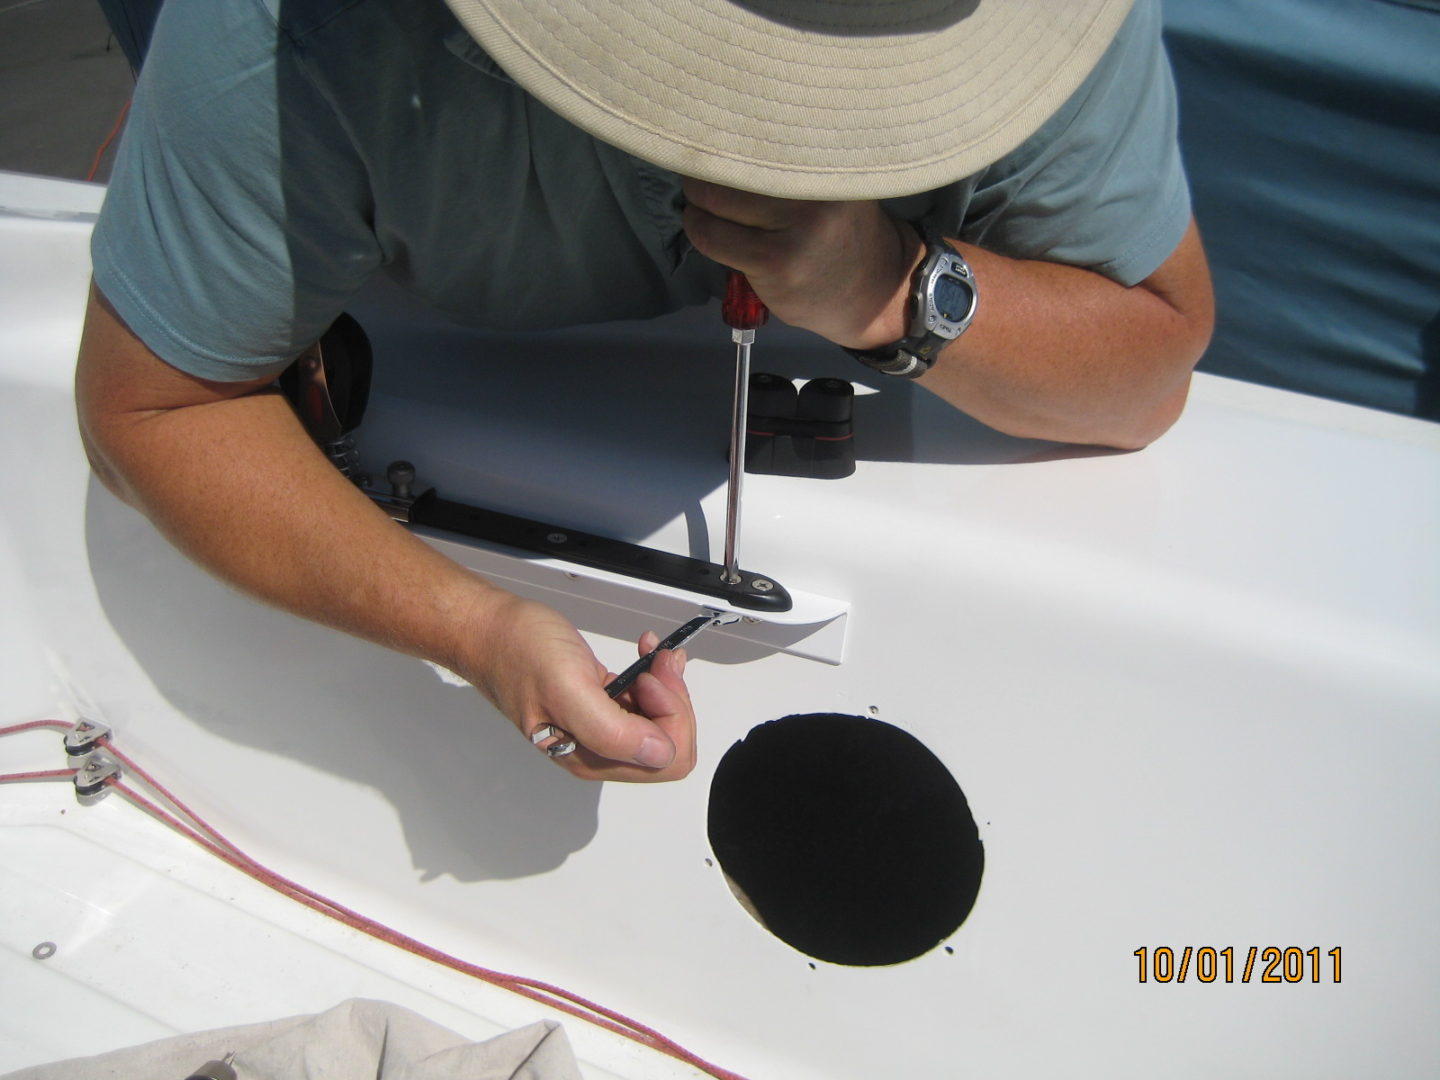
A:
[(819, 99)]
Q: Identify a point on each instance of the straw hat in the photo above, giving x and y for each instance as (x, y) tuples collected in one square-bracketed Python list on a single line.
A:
[(817, 99)]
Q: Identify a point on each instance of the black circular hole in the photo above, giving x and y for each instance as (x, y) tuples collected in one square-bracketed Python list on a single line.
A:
[(846, 837)]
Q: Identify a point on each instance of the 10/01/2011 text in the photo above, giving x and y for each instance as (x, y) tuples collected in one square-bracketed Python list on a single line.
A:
[(1164, 964)]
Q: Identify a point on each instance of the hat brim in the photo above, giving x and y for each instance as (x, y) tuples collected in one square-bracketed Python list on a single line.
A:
[(811, 99)]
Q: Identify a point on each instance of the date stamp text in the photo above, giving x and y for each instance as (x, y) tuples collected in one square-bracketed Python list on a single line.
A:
[(1267, 964)]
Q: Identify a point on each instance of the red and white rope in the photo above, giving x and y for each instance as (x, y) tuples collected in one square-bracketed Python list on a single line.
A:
[(195, 828)]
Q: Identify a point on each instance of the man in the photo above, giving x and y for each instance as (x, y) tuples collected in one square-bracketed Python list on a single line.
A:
[(618, 154)]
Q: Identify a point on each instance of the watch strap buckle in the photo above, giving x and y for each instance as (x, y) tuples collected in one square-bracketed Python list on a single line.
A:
[(902, 363)]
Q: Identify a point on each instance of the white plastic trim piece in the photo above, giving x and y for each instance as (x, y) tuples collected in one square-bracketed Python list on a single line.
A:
[(814, 628)]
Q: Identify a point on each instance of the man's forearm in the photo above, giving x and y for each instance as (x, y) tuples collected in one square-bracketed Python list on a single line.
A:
[(1059, 352), (238, 487)]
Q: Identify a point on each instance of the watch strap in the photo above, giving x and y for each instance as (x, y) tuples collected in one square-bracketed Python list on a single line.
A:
[(899, 360)]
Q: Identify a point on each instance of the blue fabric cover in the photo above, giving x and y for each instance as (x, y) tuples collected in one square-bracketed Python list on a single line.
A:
[(1311, 133)]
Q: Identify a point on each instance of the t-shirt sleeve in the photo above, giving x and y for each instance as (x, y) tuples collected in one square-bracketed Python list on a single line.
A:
[(237, 222), (1101, 185)]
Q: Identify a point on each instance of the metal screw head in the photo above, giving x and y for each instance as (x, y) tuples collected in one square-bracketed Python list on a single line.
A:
[(556, 538), (761, 584), (401, 475)]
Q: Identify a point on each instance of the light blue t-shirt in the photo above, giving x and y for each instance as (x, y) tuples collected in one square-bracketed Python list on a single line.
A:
[(279, 154)]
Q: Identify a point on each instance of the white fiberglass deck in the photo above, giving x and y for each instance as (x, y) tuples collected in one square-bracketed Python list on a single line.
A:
[(1192, 695)]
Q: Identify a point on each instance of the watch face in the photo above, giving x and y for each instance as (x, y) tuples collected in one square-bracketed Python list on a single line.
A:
[(952, 296)]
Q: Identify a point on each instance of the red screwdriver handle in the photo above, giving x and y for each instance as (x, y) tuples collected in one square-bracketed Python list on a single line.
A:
[(742, 309)]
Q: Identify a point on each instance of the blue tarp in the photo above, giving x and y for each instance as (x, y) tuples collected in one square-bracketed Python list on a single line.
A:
[(1311, 132)]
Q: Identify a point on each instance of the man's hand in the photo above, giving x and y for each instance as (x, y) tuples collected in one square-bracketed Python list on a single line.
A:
[(537, 670), (841, 269), (1055, 352)]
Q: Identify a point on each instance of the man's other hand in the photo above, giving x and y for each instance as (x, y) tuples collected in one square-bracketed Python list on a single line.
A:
[(538, 670)]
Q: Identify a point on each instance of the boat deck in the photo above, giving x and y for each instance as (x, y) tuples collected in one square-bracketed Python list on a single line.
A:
[(1189, 693)]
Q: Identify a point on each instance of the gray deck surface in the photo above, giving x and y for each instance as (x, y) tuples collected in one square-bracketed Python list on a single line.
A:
[(63, 84)]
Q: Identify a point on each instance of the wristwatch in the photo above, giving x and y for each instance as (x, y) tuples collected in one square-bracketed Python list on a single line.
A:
[(943, 299)]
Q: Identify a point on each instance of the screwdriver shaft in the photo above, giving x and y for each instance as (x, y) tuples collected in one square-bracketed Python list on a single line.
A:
[(742, 311), (738, 421)]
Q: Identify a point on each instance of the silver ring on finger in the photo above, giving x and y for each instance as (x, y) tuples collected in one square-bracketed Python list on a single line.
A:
[(564, 742)]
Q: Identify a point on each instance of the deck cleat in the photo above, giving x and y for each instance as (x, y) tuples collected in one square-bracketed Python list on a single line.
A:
[(92, 779), (81, 741)]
